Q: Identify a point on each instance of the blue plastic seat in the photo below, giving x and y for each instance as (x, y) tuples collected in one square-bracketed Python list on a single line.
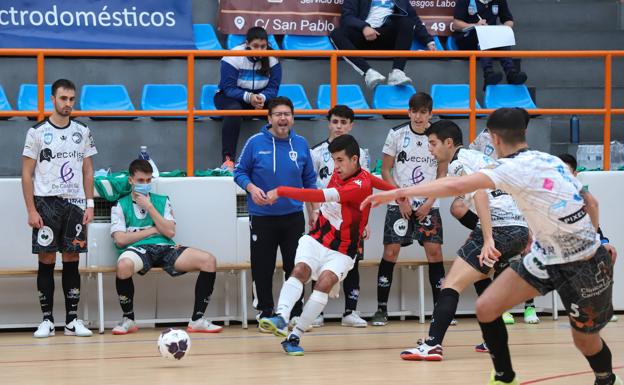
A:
[(4, 103), (451, 44), (206, 102), (451, 96), (297, 94), (27, 97), (235, 40), (97, 97), (418, 46), (164, 97), (205, 37), (508, 95), (348, 94), (307, 42), (393, 97)]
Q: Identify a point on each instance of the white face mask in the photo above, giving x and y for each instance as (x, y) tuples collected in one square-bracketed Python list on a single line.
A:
[(486, 2)]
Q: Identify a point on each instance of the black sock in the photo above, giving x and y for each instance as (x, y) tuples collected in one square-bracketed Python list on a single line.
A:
[(529, 303), (481, 285), (351, 286), (436, 275), (384, 282), (469, 220), (495, 337), (71, 288), (125, 293), (602, 366), (203, 291), (45, 286), (443, 314)]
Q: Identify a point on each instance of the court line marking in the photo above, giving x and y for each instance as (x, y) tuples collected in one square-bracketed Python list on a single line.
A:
[(564, 375)]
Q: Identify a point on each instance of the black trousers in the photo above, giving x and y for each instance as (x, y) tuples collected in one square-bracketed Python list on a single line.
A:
[(267, 234), (230, 129), (469, 42), (396, 34)]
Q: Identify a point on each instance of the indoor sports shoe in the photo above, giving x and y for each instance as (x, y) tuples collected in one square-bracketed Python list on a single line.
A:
[(380, 318), (508, 318), (423, 352), (260, 328), (203, 325), (276, 325), (398, 78), (318, 321), (453, 322), (126, 326), (482, 348), (45, 329), (228, 164), (373, 78), (494, 381), (530, 315), (77, 328), (291, 346), (618, 380), (614, 318), (293, 323), (353, 320)]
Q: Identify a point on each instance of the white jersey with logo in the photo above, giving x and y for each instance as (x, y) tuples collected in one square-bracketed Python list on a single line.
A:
[(483, 143), (379, 12), (118, 220), (324, 163), (413, 162), (503, 209), (549, 197), (59, 153)]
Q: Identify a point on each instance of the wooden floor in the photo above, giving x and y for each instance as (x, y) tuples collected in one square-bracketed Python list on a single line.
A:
[(334, 355)]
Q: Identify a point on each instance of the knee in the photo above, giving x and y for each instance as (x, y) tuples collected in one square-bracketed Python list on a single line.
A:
[(391, 254), (458, 209), (434, 254), (587, 344), (208, 263), (485, 311), (326, 281), (47, 258), (302, 272), (125, 268)]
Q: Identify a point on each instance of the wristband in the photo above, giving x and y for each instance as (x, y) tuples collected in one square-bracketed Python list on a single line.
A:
[(90, 203)]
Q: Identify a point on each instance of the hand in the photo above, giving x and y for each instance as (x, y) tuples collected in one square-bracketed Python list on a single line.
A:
[(366, 234), (142, 200), (34, 219), (257, 101), (405, 207), (88, 216), (272, 196), (431, 46), (258, 196), (489, 254), (482, 22), (312, 218), (370, 34), (612, 251), (422, 211), (379, 198)]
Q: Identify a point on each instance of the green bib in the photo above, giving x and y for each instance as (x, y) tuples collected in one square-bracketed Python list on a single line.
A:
[(159, 202)]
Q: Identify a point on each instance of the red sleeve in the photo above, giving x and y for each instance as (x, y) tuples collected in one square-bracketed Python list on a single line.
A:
[(301, 194), (352, 193), (381, 184)]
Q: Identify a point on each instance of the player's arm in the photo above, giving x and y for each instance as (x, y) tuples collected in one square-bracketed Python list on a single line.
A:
[(424, 209), (125, 238), (164, 226), (87, 181), (381, 184), (387, 163), (591, 206), (28, 168)]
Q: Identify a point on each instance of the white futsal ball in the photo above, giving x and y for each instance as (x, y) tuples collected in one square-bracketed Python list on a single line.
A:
[(174, 344)]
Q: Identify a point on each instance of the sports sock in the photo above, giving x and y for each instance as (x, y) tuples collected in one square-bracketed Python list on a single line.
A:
[(289, 295), (351, 286), (71, 289), (443, 314), (203, 291), (45, 287), (313, 307), (469, 220), (495, 337), (481, 285), (436, 275), (384, 282), (529, 303), (601, 363), (125, 293)]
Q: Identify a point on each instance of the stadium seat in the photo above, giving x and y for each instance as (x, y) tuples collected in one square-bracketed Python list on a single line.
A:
[(348, 94), (106, 97), (297, 94), (4, 103), (206, 101), (508, 95), (307, 42), (164, 97), (418, 46), (27, 97), (451, 44), (451, 96), (392, 97), (206, 37), (234, 40)]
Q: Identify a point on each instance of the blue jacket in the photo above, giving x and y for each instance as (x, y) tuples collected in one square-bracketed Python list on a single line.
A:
[(355, 12), (269, 162)]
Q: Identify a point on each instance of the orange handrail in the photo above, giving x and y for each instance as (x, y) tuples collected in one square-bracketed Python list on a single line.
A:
[(40, 54)]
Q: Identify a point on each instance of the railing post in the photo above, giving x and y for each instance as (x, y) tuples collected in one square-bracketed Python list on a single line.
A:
[(333, 80), (40, 85), (607, 116), (190, 117), (472, 76)]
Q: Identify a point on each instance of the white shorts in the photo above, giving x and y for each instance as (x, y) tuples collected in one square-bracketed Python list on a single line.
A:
[(319, 258)]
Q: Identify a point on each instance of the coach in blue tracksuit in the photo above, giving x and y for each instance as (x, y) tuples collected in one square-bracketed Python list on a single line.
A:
[(274, 157)]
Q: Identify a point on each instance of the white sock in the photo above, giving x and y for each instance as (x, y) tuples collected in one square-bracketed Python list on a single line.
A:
[(313, 307), (289, 295)]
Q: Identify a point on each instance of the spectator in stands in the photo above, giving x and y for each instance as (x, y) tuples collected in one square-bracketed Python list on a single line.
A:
[(59, 201), (142, 227), (246, 83), (380, 25), (274, 157), (471, 13)]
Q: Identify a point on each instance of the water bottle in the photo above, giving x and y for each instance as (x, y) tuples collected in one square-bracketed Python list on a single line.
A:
[(145, 156), (472, 8), (575, 132)]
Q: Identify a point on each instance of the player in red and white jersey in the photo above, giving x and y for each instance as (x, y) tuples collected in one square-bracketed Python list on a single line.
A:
[(328, 252)]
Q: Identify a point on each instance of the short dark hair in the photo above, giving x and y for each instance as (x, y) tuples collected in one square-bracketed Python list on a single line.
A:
[(568, 159), (140, 165), (446, 129), (280, 101), (254, 33), (341, 111), (62, 83), (421, 100), (510, 124), (345, 142)]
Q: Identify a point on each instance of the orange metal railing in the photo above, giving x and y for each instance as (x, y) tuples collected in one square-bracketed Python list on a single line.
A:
[(41, 54)]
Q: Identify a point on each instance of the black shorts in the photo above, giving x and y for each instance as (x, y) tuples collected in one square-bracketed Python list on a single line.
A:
[(509, 240), (164, 256), (585, 287), (62, 229), (405, 231)]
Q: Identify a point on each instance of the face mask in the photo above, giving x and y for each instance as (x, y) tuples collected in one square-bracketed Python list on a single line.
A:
[(101, 172), (143, 189)]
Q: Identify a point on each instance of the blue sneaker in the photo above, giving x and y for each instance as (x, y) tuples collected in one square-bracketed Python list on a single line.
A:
[(276, 325), (291, 346)]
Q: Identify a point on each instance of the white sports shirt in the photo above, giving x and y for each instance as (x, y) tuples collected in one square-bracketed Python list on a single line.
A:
[(483, 143), (324, 163)]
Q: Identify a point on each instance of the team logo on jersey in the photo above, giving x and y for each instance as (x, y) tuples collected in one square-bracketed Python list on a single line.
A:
[(47, 137), (495, 9), (535, 266), (400, 227), (358, 182), (77, 137), (67, 173), (402, 157), (549, 184), (324, 172), (45, 154), (577, 197), (574, 217), (417, 175), (292, 155), (559, 205), (489, 150), (326, 156), (419, 143), (45, 236), (63, 138), (406, 141)]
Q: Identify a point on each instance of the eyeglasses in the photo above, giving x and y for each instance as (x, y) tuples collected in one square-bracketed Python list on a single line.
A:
[(282, 114)]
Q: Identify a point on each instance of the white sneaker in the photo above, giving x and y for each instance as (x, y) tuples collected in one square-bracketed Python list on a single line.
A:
[(423, 352), (126, 326), (203, 325), (78, 329), (353, 320), (453, 322), (293, 323), (45, 329), (318, 321), (398, 78), (614, 318), (373, 78)]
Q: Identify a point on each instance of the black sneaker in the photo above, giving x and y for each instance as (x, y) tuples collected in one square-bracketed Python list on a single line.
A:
[(380, 318), (491, 78), (516, 77)]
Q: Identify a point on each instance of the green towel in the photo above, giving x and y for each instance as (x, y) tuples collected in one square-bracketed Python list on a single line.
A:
[(212, 172), (174, 173), (113, 186)]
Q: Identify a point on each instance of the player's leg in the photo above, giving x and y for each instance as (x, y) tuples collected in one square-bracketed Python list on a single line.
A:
[(291, 229), (131, 261), (351, 286), (263, 254), (430, 236), (462, 213), (45, 288)]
